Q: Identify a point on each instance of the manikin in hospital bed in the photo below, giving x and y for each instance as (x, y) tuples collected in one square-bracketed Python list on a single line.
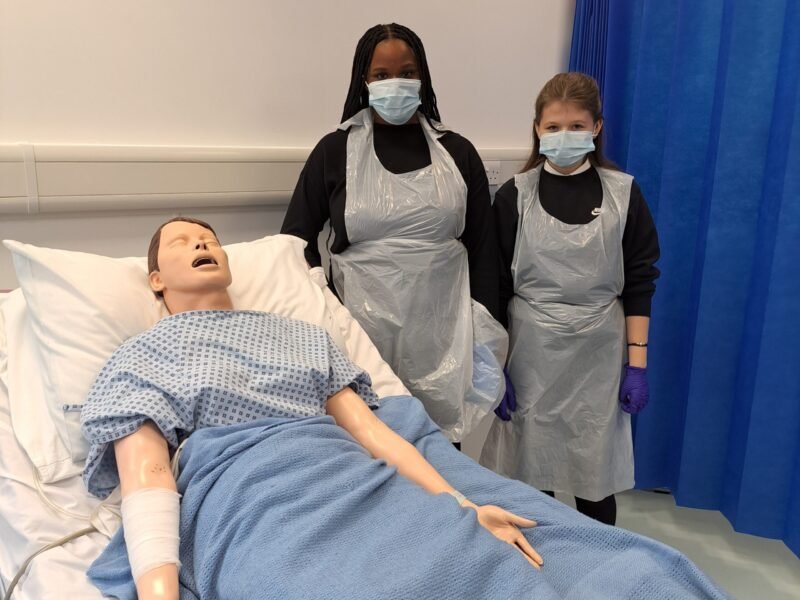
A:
[(280, 508), (259, 379)]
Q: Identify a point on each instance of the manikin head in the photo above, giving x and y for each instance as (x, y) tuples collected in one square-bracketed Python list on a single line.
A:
[(188, 266)]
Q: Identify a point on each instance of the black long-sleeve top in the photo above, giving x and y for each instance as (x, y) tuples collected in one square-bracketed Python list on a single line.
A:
[(571, 199), (321, 195)]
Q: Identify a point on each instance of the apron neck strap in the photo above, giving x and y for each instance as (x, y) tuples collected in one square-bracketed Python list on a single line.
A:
[(363, 118), (433, 129), (360, 119)]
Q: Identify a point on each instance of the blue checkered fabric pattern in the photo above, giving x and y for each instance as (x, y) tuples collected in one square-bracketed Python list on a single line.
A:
[(210, 368)]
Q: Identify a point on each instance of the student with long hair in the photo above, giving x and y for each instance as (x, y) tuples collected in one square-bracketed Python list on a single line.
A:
[(410, 215), (578, 247)]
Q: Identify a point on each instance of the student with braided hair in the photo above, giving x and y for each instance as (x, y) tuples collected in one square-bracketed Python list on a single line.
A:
[(410, 215)]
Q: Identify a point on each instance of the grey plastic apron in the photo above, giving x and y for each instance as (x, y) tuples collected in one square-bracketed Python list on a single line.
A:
[(567, 350), (405, 276)]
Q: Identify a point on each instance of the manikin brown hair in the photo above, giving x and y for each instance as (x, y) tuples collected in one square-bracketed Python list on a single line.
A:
[(155, 243)]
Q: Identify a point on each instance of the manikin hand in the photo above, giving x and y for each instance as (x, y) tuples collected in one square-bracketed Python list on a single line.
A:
[(505, 526), (350, 412), (160, 583)]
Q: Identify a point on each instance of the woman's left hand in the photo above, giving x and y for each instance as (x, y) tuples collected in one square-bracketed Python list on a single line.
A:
[(634, 392), (505, 526)]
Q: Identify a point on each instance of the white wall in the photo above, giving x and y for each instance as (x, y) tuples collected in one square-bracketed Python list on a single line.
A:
[(258, 72), (243, 73)]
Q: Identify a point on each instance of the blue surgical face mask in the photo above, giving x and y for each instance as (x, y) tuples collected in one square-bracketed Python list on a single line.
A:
[(395, 100), (566, 148)]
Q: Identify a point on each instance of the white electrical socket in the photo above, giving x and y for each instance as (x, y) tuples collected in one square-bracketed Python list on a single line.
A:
[(492, 171)]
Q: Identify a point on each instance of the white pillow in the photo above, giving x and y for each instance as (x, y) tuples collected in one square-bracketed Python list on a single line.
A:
[(40, 429), (3, 343), (3, 350), (83, 306)]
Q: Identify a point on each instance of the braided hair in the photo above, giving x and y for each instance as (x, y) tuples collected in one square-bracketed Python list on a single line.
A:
[(357, 94)]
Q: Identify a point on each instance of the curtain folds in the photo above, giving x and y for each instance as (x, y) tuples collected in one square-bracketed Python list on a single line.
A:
[(701, 105)]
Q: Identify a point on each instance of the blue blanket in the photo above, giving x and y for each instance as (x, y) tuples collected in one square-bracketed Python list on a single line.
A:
[(296, 509)]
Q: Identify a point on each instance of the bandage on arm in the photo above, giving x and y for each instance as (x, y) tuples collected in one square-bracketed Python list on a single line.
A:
[(150, 512)]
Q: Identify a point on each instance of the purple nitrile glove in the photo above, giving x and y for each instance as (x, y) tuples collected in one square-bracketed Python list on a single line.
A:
[(634, 391), (509, 402)]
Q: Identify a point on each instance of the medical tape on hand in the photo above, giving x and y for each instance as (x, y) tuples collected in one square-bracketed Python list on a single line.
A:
[(460, 498), (150, 518)]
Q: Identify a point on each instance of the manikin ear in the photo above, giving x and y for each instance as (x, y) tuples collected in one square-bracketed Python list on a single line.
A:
[(597, 127), (156, 283)]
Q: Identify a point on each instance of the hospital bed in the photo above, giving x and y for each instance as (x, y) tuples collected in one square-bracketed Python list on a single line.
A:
[(71, 312)]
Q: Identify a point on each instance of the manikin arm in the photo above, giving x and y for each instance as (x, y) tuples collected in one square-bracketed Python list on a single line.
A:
[(352, 413), (143, 464)]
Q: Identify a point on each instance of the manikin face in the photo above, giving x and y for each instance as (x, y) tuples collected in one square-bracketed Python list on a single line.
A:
[(190, 261)]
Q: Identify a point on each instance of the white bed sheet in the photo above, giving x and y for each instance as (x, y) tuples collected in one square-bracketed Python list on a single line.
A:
[(27, 524)]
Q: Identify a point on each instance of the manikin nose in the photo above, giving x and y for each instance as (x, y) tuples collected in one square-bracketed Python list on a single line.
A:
[(201, 246)]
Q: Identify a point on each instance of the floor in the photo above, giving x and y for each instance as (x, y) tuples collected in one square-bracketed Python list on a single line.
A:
[(747, 567)]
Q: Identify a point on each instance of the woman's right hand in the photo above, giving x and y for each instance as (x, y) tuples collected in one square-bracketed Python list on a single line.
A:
[(504, 525)]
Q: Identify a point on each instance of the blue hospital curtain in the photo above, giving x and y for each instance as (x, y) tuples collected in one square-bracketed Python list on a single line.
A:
[(702, 106), (589, 34)]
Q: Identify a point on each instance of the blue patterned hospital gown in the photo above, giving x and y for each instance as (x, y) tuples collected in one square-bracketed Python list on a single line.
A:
[(210, 368)]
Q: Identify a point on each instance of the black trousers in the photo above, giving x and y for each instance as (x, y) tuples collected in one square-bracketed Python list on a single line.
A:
[(604, 510)]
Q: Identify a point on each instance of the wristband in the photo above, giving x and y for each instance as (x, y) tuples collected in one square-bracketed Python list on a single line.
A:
[(460, 498)]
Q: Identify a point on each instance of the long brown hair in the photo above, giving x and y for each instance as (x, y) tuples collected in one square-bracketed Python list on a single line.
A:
[(580, 90)]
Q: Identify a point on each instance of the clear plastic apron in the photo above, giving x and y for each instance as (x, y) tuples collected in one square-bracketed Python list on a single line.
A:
[(567, 350), (405, 275)]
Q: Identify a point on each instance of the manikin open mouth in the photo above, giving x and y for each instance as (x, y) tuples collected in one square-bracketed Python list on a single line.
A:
[(203, 260)]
